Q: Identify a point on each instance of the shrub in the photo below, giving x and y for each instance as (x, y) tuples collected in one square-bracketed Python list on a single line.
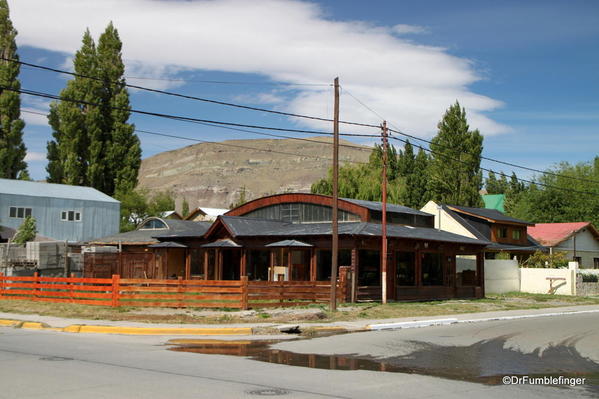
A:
[(589, 278), (545, 260)]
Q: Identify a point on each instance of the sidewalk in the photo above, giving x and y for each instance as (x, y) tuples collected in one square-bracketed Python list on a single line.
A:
[(37, 322)]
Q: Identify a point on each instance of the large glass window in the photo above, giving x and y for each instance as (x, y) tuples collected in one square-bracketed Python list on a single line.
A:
[(323, 262), (369, 268), (258, 263), (406, 268), (299, 212), (432, 269), (153, 224)]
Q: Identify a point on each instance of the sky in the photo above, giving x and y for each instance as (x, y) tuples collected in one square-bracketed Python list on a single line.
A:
[(526, 72)]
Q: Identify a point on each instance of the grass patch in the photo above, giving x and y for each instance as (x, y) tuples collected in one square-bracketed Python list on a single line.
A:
[(304, 313)]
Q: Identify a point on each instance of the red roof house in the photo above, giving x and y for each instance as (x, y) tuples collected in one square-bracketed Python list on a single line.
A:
[(579, 239)]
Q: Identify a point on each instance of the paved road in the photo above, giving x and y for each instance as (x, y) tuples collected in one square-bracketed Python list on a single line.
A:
[(44, 364)]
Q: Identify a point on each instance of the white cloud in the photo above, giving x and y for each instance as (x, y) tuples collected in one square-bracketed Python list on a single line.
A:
[(403, 29), (284, 40), (35, 156), (34, 116)]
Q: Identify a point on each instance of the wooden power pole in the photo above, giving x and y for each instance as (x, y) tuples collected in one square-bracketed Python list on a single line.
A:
[(335, 225), (384, 226)]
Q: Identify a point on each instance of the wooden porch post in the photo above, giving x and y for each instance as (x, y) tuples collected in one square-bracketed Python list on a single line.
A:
[(480, 272), (312, 264), (355, 266), (219, 263), (206, 264), (289, 265), (243, 266), (187, 263)]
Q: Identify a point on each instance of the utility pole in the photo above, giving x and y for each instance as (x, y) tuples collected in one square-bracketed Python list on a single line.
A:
[(335, 233), (384, 226)]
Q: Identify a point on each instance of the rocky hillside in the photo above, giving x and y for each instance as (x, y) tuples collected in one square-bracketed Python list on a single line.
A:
[(212, 175)]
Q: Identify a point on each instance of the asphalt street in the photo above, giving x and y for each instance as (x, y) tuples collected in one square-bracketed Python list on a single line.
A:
[(439, 362)]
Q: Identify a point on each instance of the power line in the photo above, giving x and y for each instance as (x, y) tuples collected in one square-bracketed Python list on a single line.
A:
[(178, 117), (207, 100), (488, 170), (242, 146), (357, 147), (398, 131)]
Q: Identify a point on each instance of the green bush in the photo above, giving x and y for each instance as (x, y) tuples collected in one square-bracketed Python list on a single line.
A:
[(589, 278)]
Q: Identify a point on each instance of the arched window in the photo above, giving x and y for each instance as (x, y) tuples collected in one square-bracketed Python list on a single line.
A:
[(154, 224)]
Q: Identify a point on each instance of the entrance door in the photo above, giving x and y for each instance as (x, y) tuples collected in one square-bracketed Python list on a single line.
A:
[(231, 264)]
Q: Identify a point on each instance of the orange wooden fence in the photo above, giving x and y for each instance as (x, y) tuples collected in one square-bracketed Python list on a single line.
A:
[(115, 292)]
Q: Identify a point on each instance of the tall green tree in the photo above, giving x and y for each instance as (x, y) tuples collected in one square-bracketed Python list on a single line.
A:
[(93, 144), (569, 194), (454, 169), (12, 147), (73, 123), (414, 187), (493, 185), (123, 148)]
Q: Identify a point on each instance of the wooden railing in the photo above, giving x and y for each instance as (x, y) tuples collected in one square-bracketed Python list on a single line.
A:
[(116, 292)]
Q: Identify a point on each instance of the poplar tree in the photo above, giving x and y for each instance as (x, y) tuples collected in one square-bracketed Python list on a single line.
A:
[(12, 148), (123, 151), (454, 170), (93, 143), (72, 121)]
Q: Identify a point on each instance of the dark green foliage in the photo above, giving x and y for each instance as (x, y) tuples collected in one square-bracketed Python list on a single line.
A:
[(185, 208), (558, 198), (406, 177), (496, 186), (454, 169), (26, 232), (589, 278), (94, 145), (546, 260), (12, 148), (137, 205)]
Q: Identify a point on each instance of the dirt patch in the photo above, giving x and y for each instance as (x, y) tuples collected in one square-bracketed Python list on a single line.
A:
[(294, 315)]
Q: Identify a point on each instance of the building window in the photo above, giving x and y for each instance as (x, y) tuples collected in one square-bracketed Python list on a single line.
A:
[(577, 259), (19, 212), (432, 269), (502, 232), (153, 224), (406, 269), (596, 263), (70, 216), (516, 234)]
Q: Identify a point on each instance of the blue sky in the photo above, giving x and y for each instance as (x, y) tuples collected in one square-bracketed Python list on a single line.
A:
[(525, 71)]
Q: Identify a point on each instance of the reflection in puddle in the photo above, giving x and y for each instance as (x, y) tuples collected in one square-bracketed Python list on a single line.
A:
[(485, 361)]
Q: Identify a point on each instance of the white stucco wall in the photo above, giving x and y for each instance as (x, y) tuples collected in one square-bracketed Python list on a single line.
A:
[(501, 276), (535, 281), (448, 223), (587, 247)]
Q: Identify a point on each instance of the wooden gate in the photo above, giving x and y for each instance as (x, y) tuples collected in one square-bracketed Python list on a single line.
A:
[(125, 264)]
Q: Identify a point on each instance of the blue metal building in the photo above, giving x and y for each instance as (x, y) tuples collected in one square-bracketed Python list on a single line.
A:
[(62, 212)]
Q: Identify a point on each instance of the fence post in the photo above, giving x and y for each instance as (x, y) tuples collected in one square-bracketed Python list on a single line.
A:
[(1, 284), (244, 293), (180, 292), (71, 288), (115, 290), (36, 281)]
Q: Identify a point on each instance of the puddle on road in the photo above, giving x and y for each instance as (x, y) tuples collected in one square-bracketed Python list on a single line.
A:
[(485, 361)]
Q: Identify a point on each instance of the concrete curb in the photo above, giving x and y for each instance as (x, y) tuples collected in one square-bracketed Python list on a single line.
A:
[(442, 322), (125, 330), (411, 324), (80, 328)]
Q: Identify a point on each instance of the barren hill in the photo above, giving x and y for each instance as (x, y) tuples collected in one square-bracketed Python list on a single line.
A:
[(212, 174)]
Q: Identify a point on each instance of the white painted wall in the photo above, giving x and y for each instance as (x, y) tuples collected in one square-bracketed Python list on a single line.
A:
[(535, 281), (501, 276), (448, 223), (587, 247)]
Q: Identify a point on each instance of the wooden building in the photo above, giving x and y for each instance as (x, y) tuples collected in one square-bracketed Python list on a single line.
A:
[(288, 236)]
